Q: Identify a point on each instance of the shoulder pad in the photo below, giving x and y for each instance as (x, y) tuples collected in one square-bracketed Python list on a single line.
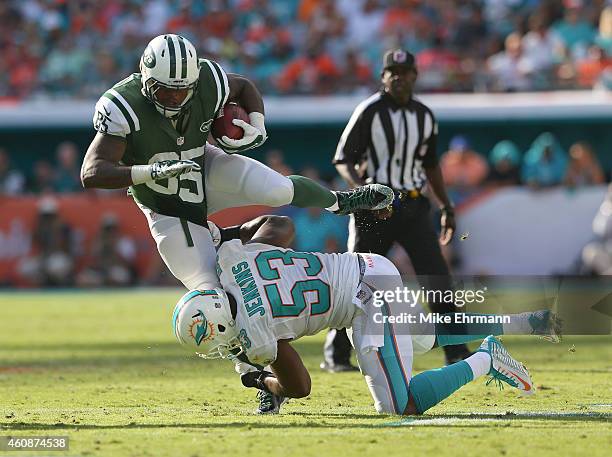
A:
[(213, 78), (114, 115)]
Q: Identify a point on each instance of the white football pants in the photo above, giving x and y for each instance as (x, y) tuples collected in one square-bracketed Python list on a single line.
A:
[(388, 369), (230, 181)]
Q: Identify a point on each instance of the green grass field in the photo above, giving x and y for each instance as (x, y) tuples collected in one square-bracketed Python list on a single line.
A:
[(104, 369)]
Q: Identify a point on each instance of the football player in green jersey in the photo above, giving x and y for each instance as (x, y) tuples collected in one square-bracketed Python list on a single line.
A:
[(152, 137)]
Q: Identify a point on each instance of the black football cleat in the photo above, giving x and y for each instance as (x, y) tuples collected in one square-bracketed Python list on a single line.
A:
[(269, 403)]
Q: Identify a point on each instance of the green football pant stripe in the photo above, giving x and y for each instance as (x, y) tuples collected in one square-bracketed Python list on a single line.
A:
[(187, 232)]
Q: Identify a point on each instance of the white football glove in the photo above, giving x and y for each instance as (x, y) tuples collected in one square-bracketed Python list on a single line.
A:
[(172, 168), (162, 170), (215, 233), (254, 134)]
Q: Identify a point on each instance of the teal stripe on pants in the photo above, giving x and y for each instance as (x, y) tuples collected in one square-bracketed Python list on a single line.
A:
[(392, 366)]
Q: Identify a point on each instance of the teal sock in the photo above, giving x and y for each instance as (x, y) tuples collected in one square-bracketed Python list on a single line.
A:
[(451, 340), (432, 386), (473, 332), (310, 194)]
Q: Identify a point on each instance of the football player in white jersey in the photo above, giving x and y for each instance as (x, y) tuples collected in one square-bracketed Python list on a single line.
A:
[(272, 296)]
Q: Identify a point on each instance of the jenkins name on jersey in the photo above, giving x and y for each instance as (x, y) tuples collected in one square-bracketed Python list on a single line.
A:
[(285, 294)]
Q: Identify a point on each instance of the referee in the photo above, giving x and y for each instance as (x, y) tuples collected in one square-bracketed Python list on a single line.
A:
[(391, 139)]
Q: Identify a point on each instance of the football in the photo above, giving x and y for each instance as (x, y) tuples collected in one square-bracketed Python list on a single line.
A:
[(223, 126)]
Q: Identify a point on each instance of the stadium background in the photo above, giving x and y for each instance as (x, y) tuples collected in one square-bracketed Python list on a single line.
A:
[(493, 71)]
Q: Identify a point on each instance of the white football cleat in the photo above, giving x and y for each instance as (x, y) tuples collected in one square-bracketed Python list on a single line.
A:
[(504, 368)]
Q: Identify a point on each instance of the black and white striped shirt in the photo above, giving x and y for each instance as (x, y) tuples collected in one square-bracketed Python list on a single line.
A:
[(396, 142)]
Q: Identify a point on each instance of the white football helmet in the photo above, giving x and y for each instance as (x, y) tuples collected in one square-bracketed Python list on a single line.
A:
[(202, 320), (169, 61)]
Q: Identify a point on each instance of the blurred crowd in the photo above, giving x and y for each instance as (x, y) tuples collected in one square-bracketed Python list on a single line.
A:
[(56, 253), (45, 177), (60, 257), (79, 48), (545, 164)]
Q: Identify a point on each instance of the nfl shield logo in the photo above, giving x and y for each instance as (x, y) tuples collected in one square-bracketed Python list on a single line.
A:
[(180, 140)]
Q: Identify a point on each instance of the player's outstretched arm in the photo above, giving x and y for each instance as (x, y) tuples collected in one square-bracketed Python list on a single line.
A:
[(289, 377), (102, 168), (292, 378), (274, 230)]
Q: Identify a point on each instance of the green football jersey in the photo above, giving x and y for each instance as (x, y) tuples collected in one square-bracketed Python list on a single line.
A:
[(124, 111)]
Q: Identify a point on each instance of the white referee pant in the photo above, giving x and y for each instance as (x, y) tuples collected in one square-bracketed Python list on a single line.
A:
[(230, 181)]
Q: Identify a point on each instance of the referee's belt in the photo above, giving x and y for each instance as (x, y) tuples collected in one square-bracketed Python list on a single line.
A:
[(403, 197), (404, 194)]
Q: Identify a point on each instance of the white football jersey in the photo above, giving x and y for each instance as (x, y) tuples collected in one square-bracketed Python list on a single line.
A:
[(285, 294)]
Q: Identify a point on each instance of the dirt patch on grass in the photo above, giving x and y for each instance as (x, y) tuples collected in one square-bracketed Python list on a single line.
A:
[(16, 370)]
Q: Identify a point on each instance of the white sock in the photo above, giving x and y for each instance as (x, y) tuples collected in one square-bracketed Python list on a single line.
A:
[(335, 206), (480, 363)]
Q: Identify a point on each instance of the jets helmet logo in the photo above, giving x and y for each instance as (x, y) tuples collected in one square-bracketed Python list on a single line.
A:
[(148, 58), (200, 329)]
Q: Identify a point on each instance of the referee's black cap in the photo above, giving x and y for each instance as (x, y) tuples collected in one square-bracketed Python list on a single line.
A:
[(398, 58)]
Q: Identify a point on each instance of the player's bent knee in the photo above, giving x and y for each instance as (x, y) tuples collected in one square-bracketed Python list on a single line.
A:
[(305, 388), (411, 408), (382, 408), (411, 411), (386, 407), (300, 391), (280, 194)]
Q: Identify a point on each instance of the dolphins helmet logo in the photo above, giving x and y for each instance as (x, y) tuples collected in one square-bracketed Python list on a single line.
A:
[(200, 329)]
